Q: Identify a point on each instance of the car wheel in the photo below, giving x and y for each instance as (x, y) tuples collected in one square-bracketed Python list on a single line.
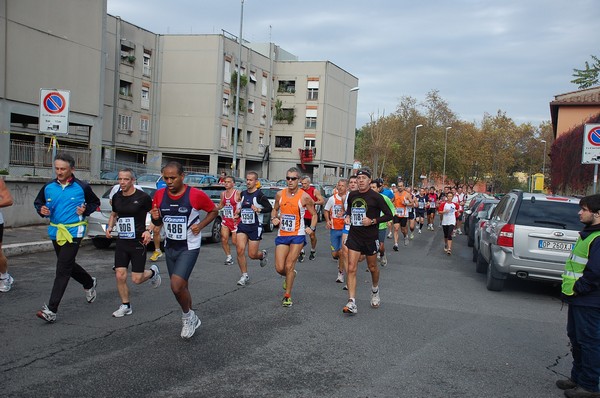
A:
[(101, 243), (475, 251), (480, 264), (491, 282), (470, 240), (216, 230)]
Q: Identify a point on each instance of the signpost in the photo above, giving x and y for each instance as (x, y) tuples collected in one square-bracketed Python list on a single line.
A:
[(54, 114), (591, 148)]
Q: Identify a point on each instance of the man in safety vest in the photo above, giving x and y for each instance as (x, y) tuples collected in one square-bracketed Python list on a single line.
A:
[(580, 288)]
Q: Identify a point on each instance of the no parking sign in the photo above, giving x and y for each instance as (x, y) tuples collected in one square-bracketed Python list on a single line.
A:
[(54, 111), (591, 144)]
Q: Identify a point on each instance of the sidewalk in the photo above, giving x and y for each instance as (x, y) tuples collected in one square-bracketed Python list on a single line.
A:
[(25, 240)]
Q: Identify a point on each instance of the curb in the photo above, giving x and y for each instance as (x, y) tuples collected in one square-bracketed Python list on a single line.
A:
[(17, 249)]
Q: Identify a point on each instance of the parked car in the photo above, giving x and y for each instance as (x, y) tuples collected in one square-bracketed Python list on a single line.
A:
[(200, 180), (150, 177), (109, 175), (473, 217), (484, 216), (270, 193), (529, 236)]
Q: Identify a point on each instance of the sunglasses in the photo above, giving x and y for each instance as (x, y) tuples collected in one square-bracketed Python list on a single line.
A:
[(291, 178)]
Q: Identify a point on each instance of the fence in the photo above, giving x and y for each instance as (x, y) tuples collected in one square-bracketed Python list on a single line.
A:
[(26, 153)]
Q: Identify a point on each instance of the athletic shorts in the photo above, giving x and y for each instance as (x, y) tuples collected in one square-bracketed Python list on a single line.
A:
[(130, 251), (420, 213), (1, 232), (460, 217), (335, 236), (368, 248), (253, 232), (230, 223), (401, 220), (307, 222), (411, 215), (430, 211), (382, 234), (448, 231), (181, 262), (291, 240)]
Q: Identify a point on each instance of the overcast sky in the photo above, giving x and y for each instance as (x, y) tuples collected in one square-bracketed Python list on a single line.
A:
[(482, 56)]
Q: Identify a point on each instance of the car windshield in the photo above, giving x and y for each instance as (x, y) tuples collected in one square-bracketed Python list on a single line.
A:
[(270, 193), (149, 190), (148, 178), (549, 214)]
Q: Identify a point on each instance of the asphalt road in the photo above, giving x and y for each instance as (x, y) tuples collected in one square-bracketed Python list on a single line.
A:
[(438, 332)]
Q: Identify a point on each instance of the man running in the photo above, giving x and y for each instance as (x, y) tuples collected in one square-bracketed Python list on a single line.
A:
[(230, 199), (421, 202), (6, 200), (334, 216), (448, 210), (352, 186), (377, 186), (431, 206), (459, 199), (178, 207), (289, 213), (67, 201), (402, 199), (363, 214), (410, 208), (129, 209), (316, 196), (249, 233)]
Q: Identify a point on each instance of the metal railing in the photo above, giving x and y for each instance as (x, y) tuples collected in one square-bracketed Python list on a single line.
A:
[(26, 153)]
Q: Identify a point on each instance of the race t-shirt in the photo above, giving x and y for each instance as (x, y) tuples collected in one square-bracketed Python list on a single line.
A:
[(132, 212)]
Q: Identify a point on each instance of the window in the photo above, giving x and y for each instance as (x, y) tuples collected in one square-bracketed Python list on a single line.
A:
[(249, 137), (252, 77), (287, 86), (226, 104), (311, 119), (125, 123), (125, 89), (144, 124), (240, 132), (146, 63), (224, 142), (250, 106), (145, 98), (312, 93), (309, 142), (127, 52), (265, 80), (263, 114), (227, 72), (283, 141)]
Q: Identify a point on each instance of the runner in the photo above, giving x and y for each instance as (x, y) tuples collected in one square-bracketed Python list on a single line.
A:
[(352, 186), (448, 210), (377, 186), (410, 208), (431, 206), (316, 196), (390, 224), (421, 201), (156, 229), (67, 201), (363, 213), (129, 209), (249, 232), (289, 213), (402, 199), (178, 207), (6, 200), (334, 216), (459, 199), (441, 199), (230, 200)]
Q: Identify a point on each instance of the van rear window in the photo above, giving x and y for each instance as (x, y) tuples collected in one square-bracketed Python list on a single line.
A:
[(549, 214)]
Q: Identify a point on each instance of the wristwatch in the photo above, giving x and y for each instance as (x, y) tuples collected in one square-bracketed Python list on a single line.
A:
[(313, 228)]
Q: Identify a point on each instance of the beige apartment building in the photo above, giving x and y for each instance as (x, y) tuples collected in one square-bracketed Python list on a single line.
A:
[(139, 99)]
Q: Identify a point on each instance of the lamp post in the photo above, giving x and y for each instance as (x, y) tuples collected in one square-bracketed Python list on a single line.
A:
[(445, 146), (237, 97), (544, 159), (348, 133), (412, 182)]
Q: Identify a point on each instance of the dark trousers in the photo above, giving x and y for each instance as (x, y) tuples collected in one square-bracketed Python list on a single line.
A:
[(67, 268), (583, 329)]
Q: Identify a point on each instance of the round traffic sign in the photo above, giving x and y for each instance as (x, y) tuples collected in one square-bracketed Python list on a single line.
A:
[(594, 136), (55, 103)]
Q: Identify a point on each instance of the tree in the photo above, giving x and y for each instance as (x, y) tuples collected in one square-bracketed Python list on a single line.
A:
[(588, 77)]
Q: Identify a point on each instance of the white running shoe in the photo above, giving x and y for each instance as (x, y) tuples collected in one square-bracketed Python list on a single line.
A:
[(375, 301), (406, 241), (412, 235), (229, 260), (264, 260), (340, 278), (90, 294), (190, 324), (156, 255), (350, 307), (46, 314), (156, 280), (122, 311), (459, 231), (6, 283), (389, 236), (243, 280), (383, 260), (419, 230)]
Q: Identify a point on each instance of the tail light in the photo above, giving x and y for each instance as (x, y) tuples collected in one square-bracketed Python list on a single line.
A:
[(506, 236), (98, 208), (482, 224)]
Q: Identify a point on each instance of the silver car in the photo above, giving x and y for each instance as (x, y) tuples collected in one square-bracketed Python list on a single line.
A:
[(529, 236)]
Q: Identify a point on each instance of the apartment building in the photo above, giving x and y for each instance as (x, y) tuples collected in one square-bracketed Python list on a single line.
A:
[(139, 99)]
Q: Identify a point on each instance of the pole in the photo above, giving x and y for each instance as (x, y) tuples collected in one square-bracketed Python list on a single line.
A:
[(544, 160), (412, 183), (237, 97), (346, 172), (445, 145), (595, 177)]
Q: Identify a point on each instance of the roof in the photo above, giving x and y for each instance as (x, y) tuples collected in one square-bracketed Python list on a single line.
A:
[(588, 96)]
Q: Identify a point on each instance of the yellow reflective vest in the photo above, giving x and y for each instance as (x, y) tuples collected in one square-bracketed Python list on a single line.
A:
[(576, 263)]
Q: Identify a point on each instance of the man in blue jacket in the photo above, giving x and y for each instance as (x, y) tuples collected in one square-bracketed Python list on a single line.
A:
[(581, 290), (67, 201)]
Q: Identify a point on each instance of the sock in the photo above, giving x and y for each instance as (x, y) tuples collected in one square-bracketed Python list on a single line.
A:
[(3, 276), (127, 304), (313, 250), (187, 314), (375, 289), (245, 274), (153, 273), (351, 299), (286, 295)]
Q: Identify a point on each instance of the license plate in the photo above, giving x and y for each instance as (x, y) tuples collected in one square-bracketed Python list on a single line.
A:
[(553, 245)]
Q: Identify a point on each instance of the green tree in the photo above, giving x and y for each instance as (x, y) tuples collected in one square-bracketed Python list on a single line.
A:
[(588, 77)]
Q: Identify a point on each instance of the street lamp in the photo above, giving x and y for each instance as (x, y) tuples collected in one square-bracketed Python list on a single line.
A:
[(445, 146), (544, 159), (237, 97), (412, 183), (348, 133)]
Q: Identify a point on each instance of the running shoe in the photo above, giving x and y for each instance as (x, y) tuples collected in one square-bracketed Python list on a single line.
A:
[(419, 230), (286, 302), (301, 257), (384, 260), (46, 314), (389, 235), (350, 308), (90, 294), (345, 287), (122, 311), (285, 280), (190, 324), (375, 301), (229, 260), (459, 231), (396, 247), (243, 280), (449, 252), (264, 260), (156, 280), (340, 278), (406, 241), (312, 255), (412, 235), (6, 283), (156, 255)]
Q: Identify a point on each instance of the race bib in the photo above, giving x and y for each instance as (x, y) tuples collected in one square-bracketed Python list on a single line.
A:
[(248, 216), (288, 222), (228, 211), (175, 227), (337, 211), (432, 203), (357, 215), (126, 228), (400, 211), (421, 205)]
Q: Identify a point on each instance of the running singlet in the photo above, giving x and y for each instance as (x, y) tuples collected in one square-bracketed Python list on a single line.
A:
[(399, 203), (230, 205), (421, 202), (431, 199), (292, 213), (249, 219), (368, 204), (132, 211), (179, 213), (311, 192), (335, 205)]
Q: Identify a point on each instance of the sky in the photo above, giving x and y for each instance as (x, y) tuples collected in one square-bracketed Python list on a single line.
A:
[(482, 56)]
